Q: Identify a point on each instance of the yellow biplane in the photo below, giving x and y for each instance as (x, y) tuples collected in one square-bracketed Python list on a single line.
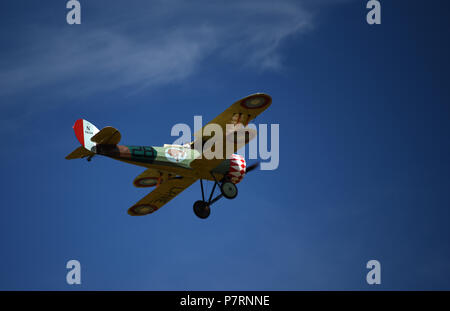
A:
[(173, 168)]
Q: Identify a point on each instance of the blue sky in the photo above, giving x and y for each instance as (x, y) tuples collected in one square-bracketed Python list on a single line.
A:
[(364, 144)]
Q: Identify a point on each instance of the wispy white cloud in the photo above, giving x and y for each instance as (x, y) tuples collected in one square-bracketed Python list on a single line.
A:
[(152, 43), (108, 58)]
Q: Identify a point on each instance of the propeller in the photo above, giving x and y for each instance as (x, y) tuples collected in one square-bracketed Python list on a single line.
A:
[(251, 167)]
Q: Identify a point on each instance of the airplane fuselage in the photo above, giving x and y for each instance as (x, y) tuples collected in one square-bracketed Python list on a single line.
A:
[(171, 159)]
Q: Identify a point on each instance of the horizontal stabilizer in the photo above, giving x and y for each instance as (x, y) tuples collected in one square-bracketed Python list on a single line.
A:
[(107, 136), (79, 153)]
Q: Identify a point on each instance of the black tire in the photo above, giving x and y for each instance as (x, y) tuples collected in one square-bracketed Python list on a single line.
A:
[(201, 209), (229, 190)]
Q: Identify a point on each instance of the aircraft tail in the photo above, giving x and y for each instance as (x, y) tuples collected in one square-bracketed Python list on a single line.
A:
[(84, 131), (89, 136)]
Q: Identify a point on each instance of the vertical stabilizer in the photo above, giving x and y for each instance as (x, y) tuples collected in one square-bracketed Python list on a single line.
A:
[(84, 131)]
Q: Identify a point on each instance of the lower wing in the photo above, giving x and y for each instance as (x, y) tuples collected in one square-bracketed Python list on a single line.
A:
[(160, 196)]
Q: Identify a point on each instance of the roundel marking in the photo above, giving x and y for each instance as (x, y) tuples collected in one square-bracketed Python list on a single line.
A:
[(143, 209), (255, 102), (146, 182)]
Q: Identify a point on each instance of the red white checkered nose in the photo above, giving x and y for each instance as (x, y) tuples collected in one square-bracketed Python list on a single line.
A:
[(237, 168)]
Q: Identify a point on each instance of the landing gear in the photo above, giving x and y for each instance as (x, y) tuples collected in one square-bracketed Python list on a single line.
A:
[(201, 209), (227, 189)]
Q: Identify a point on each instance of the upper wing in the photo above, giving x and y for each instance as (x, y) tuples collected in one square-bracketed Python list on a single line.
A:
[(239, 115), (160, 196)]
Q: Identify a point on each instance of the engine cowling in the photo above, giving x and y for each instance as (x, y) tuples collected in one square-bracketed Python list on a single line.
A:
[(236, 171)]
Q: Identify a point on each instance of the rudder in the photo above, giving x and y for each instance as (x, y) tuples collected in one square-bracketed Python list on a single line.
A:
[(84, 131)]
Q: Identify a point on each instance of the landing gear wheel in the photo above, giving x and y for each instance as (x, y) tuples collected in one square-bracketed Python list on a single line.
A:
[(201, 209), (229, 190)]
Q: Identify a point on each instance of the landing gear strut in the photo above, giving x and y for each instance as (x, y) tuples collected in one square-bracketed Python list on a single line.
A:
[(227, 189)]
